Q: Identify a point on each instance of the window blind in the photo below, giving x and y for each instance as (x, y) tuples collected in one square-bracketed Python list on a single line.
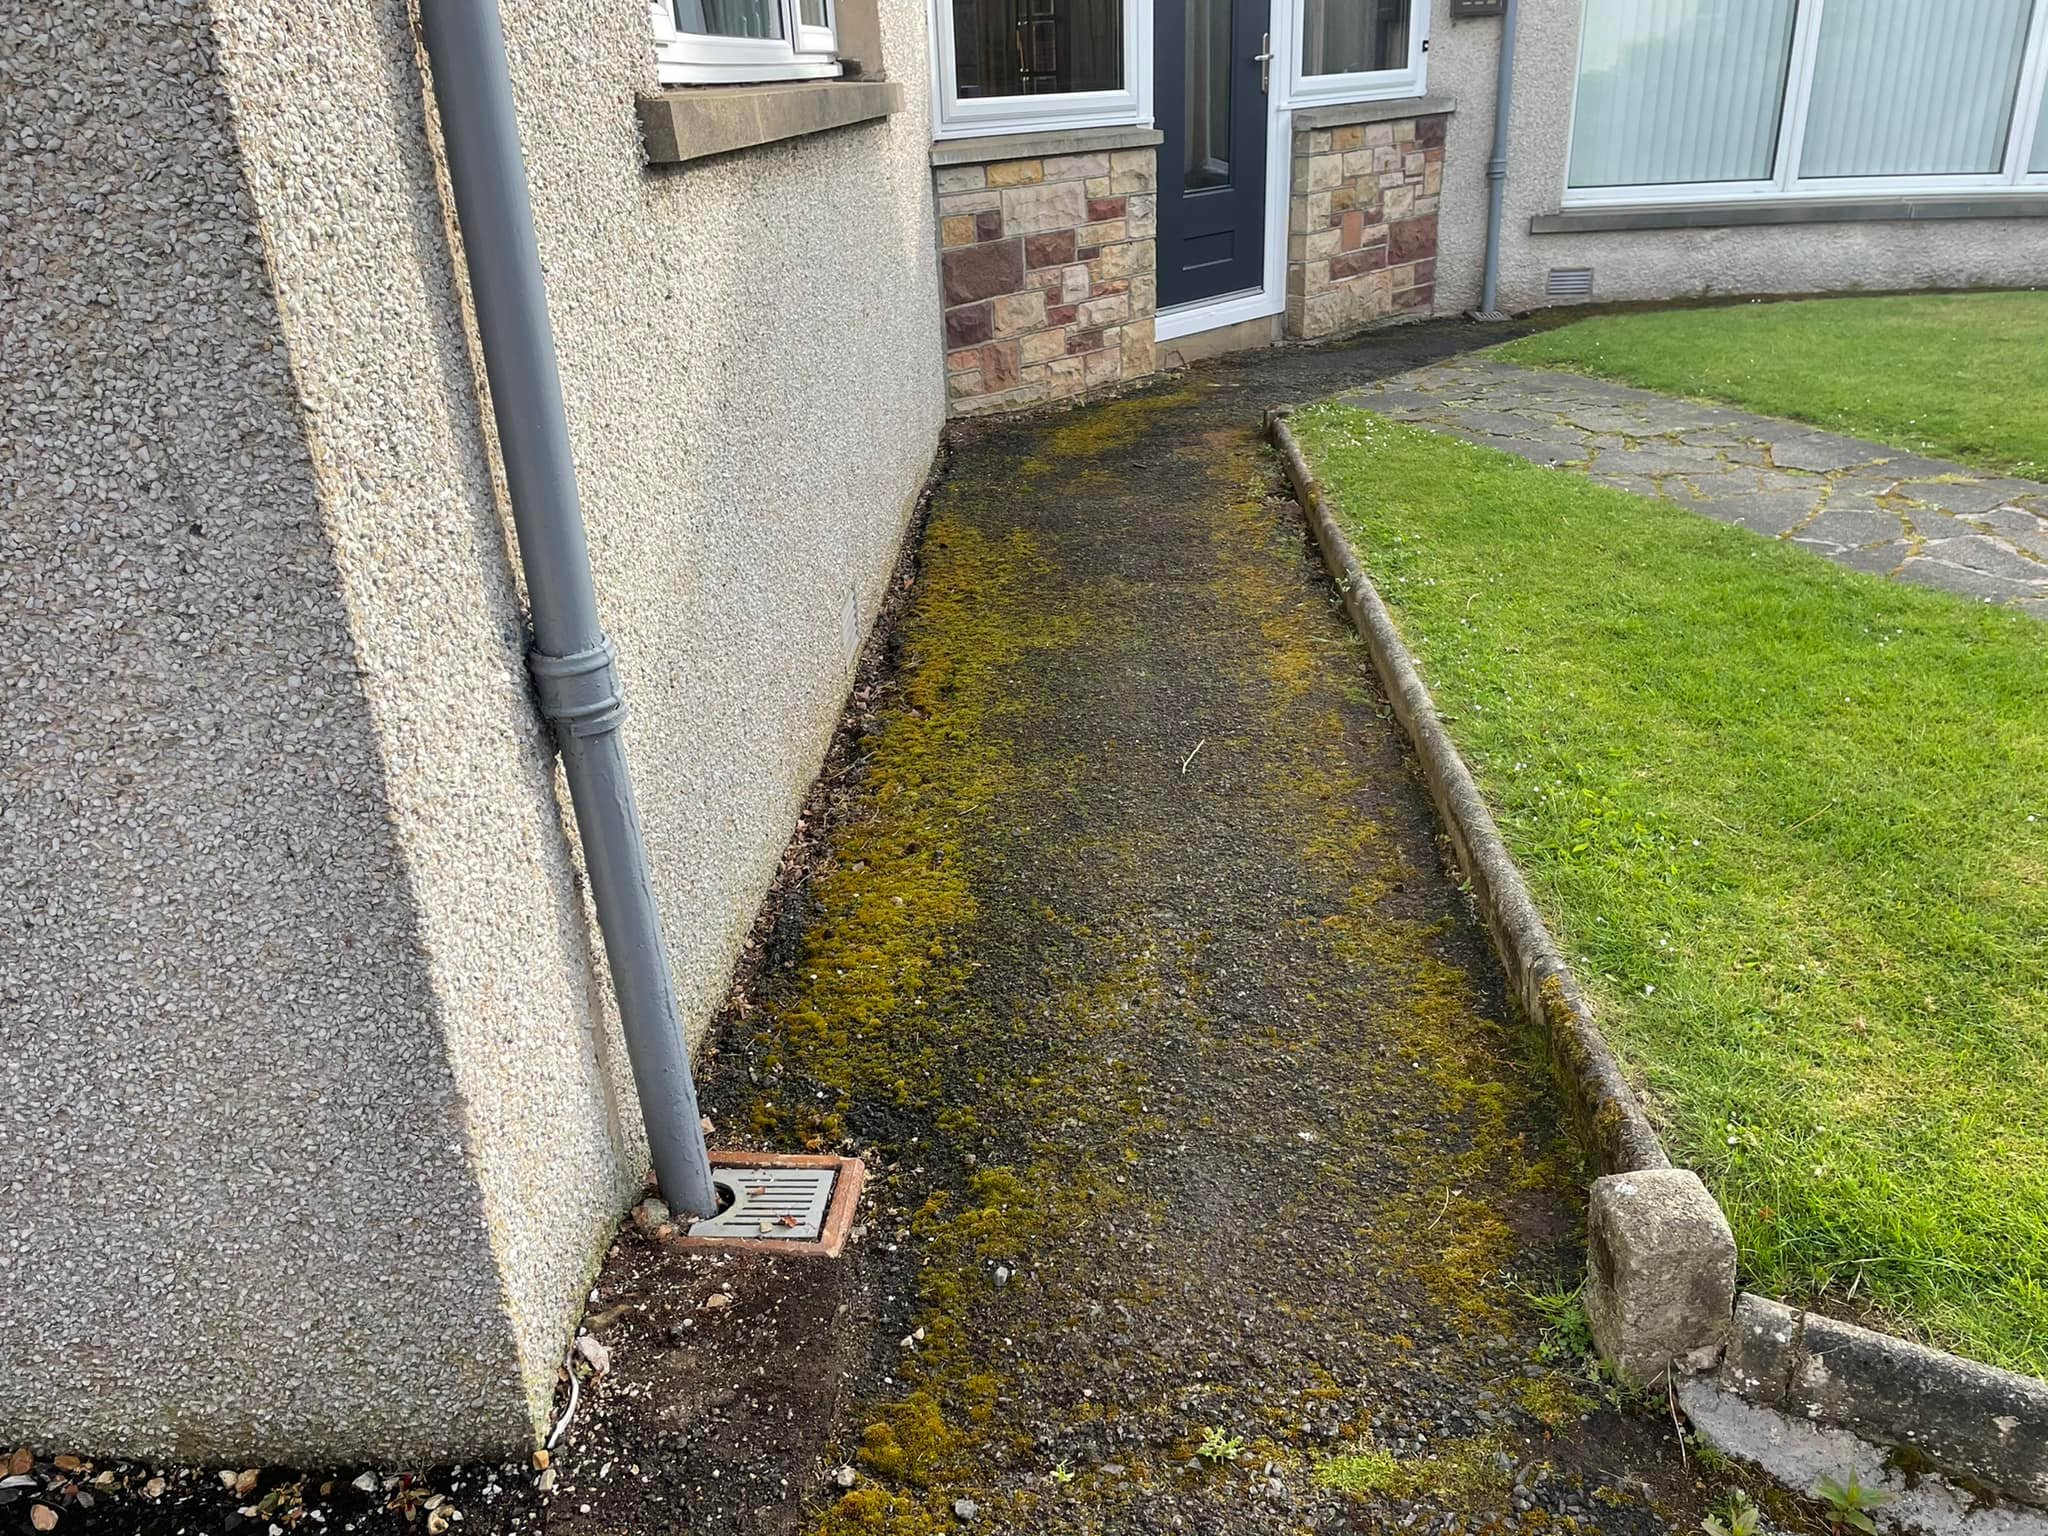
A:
[(1680, 90), (1906, 88)]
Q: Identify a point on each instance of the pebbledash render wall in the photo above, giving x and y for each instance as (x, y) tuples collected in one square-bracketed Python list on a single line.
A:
[(1048, 270), (1657, 263), (315, 1117)]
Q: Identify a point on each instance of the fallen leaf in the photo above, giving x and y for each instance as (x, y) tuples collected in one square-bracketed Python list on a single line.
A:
[(438, 1518), (245, 1484), (592, 1349), (20, 1462), (716, 1300), (154, 1488), (67, 1464), (43, 1518)]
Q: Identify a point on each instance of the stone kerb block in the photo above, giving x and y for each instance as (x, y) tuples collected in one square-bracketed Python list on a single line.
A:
[(1660, 1289)]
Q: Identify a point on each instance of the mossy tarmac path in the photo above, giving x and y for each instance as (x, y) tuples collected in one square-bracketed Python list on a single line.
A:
[(1212, 1178)]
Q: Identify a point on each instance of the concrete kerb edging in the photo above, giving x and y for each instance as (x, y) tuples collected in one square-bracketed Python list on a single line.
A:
[(1987, 1427)]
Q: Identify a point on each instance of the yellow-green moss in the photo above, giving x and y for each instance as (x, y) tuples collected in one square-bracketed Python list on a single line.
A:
[(1457, 1470), (881, 1512), (1455, 1242), (1552, 1402), (1371, 1470), (1103, 429), (885, 1013)]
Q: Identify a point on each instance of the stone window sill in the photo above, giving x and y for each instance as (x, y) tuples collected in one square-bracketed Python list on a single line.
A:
[(1344, 114), (984, 147), (1580, 221), (690, 122)]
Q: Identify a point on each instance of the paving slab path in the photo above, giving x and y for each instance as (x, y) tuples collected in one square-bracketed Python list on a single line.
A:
[(1212, 1174), (1860, 504)]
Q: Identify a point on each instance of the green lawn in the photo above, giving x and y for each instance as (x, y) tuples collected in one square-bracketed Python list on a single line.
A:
[(1791, 825), (1961, 376)]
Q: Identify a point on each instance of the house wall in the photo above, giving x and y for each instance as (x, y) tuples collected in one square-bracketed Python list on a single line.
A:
[(305, 1034), (1657, 264)]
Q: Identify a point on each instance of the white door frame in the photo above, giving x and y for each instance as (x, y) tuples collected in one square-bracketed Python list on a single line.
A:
[(1289, 92), (1271, 297)]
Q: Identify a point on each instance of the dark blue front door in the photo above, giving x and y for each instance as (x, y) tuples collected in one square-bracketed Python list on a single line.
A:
[(1210, 85)]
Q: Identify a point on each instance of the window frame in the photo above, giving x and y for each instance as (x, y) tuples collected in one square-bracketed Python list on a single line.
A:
[(2030, 101), (955, 118), (1302, 90), (705, 58)]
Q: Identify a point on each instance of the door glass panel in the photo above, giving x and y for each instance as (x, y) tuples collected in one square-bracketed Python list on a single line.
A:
[(1208, 137), (1037, 47), (1353, 37), (812, 13), (1904, 88)]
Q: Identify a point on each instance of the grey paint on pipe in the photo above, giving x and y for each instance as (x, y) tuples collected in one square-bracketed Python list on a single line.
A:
[(1497, 164), (573, 664)]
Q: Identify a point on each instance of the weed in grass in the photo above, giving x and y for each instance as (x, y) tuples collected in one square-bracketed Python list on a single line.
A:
[(1850, 1503), (1567, 1336), (1738, 1517), (1218, 1447)]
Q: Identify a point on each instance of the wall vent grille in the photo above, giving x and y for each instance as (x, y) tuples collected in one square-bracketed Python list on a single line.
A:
[(1569, 283)]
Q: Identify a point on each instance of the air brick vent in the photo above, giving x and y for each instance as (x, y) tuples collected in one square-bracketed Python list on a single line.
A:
[(1569, 283)]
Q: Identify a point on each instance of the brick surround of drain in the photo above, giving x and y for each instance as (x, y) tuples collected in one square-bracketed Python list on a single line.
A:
[(1361, 225), (1049, 275)]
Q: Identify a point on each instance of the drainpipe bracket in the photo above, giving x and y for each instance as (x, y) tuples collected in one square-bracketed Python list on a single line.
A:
[(580, 693)]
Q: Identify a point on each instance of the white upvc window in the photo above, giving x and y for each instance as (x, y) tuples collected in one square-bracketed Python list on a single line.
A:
[(1747, 100), (728, 42), (1352, 50), (1015, 66)]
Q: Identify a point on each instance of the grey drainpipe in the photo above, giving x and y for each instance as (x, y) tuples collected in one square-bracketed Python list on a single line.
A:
[(573, 664), (1497, 167)]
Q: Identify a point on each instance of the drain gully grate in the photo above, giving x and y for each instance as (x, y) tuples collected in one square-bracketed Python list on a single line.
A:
[(787, 1204)]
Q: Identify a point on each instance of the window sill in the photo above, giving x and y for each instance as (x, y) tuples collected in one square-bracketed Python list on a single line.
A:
[(2002, 205), (690, 122), (1031, 145), (1344, 114)]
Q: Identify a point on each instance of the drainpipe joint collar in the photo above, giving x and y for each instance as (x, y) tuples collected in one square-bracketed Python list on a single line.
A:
[(580, 693)]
